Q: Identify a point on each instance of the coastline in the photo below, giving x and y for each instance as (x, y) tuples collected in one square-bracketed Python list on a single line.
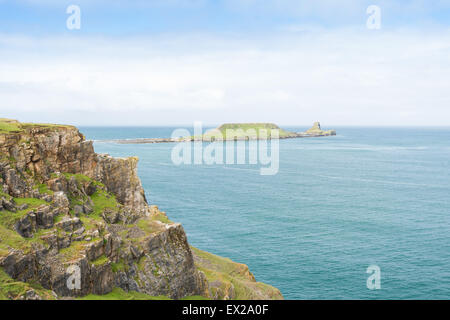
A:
[(64, 207), (241, 132)]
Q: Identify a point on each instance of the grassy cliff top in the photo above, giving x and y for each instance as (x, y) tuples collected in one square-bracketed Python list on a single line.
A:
[(230, 279), (14, 126), (8, 125)]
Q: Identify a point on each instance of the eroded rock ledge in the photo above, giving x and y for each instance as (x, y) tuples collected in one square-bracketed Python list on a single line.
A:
[(65, 209)]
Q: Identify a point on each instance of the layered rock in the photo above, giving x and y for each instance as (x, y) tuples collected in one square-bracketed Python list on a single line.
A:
[(42, 150)]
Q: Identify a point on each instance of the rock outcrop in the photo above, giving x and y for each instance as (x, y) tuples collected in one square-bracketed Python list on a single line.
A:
[(78, 223), (316, 131), (40, 151)]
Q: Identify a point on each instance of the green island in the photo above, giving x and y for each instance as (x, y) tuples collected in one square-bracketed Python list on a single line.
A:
[(239, 131), (264, 131)]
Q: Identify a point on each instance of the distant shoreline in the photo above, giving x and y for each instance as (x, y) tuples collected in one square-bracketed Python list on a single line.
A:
[(252, 132)]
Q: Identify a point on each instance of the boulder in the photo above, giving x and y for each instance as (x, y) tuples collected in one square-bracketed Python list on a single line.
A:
[(26, 226), (44, 217)]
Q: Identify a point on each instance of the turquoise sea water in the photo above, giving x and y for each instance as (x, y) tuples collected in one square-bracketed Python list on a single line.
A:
[(338, 204)]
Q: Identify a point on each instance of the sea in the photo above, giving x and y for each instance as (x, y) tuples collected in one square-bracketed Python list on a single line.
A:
[(338, 207)]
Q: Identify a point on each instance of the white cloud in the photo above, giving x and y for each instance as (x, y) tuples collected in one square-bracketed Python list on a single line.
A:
[(338, 77)]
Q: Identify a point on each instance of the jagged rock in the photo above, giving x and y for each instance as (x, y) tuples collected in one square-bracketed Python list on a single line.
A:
[(32, 295), (78, 210), (95, 250), (120, 177), (44, 217), (51, 240), (87, 209), (23, 207), (136, 252), (27, 225), (103, 278), (74, 189), (19, 266), (16, 186), (9, 205), (111, 216), (60, 199), (47, 198), (90, 189), (222, 291), (112, 246), (316, 131), (58, 184), (79, 231), (69, 224), (64, 241), (176, 266)]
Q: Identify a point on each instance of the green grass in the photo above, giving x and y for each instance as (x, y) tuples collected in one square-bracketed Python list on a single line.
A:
[(148, 226), (103, 200), (8, 126), (160, 217), (32, 202), (224, 265), (44, 125), (8, 218), (100, 261), (120, 294), (233, 275), (74, 252), (81, 178), (43, 188), (89, 223), (5, 195), (11, 126), (118, 266), (11, 239), (11, 289), (195, 298)]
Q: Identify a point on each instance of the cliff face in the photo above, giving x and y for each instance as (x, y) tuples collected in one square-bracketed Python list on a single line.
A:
[(78, 223), (41, 150)]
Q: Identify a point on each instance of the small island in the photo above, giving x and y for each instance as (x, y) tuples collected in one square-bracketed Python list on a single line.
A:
[(316, 131), (239, 131), (256, 131)]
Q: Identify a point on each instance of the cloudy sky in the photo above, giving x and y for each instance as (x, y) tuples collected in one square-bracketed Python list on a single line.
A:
[(172, 62)]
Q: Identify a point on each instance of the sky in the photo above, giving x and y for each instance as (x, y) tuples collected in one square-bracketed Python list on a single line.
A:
[(173, 62)]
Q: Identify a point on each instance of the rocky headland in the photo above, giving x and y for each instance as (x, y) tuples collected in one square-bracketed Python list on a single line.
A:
[(68, 213)]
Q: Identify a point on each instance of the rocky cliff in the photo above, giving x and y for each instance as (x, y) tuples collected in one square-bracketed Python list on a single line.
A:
[(75, 223)]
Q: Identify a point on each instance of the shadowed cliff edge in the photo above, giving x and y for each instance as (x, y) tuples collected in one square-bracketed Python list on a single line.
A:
[(64, 207)]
